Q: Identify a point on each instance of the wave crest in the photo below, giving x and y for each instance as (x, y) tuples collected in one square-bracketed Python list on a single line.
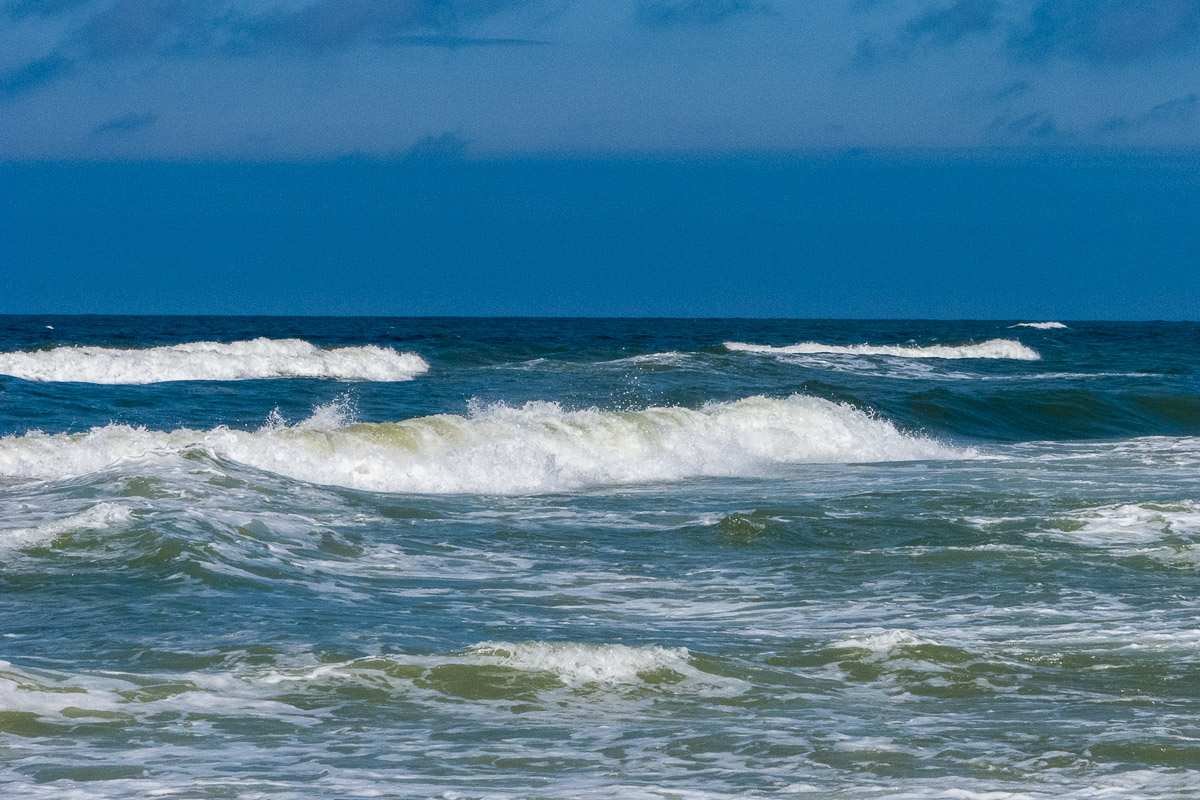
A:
[(575, 664), (212, 361), (993, 348), (530, 449), (1041, 326)]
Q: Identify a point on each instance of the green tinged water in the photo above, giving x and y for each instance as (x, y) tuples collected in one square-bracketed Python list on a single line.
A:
[(598, 558)]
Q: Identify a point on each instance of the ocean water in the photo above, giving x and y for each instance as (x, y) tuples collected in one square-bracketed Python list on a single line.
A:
[(472, 558)]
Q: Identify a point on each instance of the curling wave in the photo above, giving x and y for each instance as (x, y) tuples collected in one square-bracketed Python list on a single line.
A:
[(538, 447), (993, 348), (212, 361)]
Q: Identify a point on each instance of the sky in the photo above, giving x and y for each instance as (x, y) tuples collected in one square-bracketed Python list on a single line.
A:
[(297, 79), (999, 159)]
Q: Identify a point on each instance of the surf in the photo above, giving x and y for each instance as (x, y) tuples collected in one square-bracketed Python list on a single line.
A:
[(534, 448), (1008, 349), (255, 359)]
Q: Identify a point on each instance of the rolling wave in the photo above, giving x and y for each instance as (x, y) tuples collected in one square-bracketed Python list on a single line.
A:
[(212, 361), (993, 348), (535, 448), (1041, 326)]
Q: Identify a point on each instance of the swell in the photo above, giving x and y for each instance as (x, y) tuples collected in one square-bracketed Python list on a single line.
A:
[(993, 348), (212, 361), (1045, 412), (534, 448)]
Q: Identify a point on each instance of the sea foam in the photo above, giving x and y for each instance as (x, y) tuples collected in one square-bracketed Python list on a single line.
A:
[(498, 449), (1041, 326), (575, 664), (993, 348), (99, 516), (212, 361)]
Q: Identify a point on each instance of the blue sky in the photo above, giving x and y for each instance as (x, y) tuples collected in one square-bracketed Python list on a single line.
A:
[(302, 79)]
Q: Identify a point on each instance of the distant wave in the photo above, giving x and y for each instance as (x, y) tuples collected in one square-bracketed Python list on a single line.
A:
[(212, 361), (538, 447), (1041, 326), (993, 348)]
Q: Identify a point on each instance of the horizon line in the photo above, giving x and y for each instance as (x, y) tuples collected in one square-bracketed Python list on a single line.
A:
[(591, 317)]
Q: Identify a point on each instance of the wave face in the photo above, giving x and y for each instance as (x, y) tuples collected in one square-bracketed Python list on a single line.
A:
[(255, 359), (993, 348), (534, 448), (1041, 326)]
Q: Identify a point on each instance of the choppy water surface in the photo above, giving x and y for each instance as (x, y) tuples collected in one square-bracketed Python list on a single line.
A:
[(646, 559)]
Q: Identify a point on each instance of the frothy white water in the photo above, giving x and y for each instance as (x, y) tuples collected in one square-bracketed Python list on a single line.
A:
[(213, 361), (575, 664), (881, 642), (538, 447), (993, 348), (1041, 326), (99, 516)]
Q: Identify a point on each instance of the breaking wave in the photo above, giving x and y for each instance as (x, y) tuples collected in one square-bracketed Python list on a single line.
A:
[(212, 361), (99, 516), (1041, 326), (993, 348), (575, 664), (534, 448)]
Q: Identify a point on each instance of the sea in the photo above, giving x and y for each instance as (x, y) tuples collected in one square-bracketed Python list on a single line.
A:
[(654, 559)]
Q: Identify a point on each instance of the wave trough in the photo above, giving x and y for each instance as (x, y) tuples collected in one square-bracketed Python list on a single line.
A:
[(255, 359), (535, 448), (993, 348)]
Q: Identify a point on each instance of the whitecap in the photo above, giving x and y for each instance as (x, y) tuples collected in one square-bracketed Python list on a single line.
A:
[(535, 448), (212, 361), (575, 664), (993, 348), (881, 641), (1041, 326)]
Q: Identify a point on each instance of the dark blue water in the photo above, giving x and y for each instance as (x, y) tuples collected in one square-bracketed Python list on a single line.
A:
[(598, 558)]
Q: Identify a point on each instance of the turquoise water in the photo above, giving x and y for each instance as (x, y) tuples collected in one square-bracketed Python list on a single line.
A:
[(598, 558)]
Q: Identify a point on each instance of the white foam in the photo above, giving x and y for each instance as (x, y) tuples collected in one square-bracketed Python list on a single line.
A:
[(576, 664), (538, 447), (213, 361), (1129, 528), (881, 642), (993, 348), (99, 516), (1041, 326)]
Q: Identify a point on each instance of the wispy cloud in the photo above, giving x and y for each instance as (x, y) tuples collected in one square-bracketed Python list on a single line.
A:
[(938, 26), (1039, 126), (1108, 31), (1173, 113), (129, 29), (35, 74), (695, 12), (125, 125), (948, 25)]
